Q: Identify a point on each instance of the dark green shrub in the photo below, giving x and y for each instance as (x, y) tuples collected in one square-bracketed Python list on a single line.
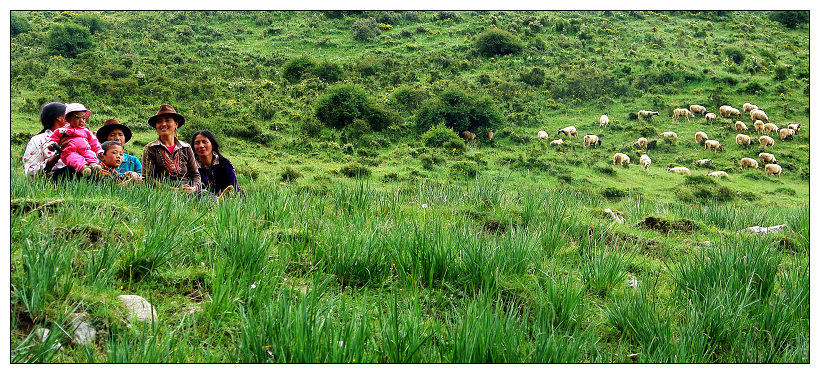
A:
[(68, 40), (497, 42), (464, 169), (370, 66), (354, 170), (781, 71), (92, 21), (294, 69), (388, 17), (735, 54), (364, 29), (380, 118), (534, 77), (443, 15), (408, 98), (341, 105), (328, 71), (613, 193), (290, 174), (439, 135), (790, 18), (460, 112), (605, 169), (19, 24)]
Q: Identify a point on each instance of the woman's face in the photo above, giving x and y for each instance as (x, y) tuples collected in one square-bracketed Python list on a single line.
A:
[(166, 125), (117, 135), (202, 146), (76, 119)]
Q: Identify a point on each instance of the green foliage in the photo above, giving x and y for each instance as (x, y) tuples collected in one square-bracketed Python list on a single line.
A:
[(68, 40), (464, 169), (328, 71), (290, 174), (408, 98), (365, 29), (355, 170), (735, 54), (781, 71), (92, 21), (440, 135), (19, 24), (495, 41), (341, 105), (534, 77), (613, 192), (295, 69), (460, 112), (790, 18)]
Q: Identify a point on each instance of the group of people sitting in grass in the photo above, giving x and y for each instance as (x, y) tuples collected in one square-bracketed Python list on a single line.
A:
[(66, 148)]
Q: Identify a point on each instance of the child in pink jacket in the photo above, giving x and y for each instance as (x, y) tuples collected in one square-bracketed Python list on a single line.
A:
[(82, 148)]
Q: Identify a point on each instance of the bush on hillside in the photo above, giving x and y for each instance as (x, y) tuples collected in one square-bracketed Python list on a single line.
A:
[(497, 42), (364, 29), (440, 135), (408, 98), (379, 118), (328, 71), (19, 24), (294, 69), (791, 19), (534, 77), (341, 105), (94, 23), (68, 40), (460, 112), (735, 54)]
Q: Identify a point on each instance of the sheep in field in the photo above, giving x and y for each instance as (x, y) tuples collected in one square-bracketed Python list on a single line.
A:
[(697, 109), (603, 121), (646, 114), (468, 137), (701, 137), (786, 134), (740, 126), (758, 114), (620, 159), (641, 143), (746, 163), (710, 117), (719, 173), (703, 162), (748, 107), (713, 144), (542, 135), (682, 112), (767, 158), (591, 140), (669, 134), (645, 161), (759, 126), (769, 127), (773, 169), (569, 130), (732, 112), (766, 141), (679, 170), (743, 140), (557, 142), (795, 127)]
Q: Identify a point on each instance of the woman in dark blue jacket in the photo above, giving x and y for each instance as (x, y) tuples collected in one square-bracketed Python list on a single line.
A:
[(216, 171)]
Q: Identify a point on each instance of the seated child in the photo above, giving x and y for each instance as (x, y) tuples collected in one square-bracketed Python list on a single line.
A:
[(110, 161), (114, 130), (82, 148)]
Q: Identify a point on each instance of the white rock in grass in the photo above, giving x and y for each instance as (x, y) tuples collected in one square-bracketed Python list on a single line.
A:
[(764, 230), (138, 308), (84, 333), (618, 217), (633, 281), (41, 335)]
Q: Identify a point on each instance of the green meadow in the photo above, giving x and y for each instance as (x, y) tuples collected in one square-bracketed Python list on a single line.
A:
[(369, 232)]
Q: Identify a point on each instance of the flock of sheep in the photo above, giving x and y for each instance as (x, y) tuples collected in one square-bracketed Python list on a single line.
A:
[(756, 115)]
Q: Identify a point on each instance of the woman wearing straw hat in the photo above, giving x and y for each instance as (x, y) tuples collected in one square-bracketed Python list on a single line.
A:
[(169, 159), (113, 130)]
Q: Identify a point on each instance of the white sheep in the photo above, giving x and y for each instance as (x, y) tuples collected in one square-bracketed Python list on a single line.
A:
[(557, 142), (740, 126), (773, 169), (743, 139), (758, 114), (620, 159), (641, 142), (700, 137), (697, 109), (722, 110), (679, 170), (786, 133), (769, 127), (591, 140), (733, 112), (645, 161), (703, 161), (542, 135), (766, 141), (795, 127), (767, 158), (746, 163), (569, 130), (713, 144), (682, 112), (719, 173), (647, 114), (710, 117), (759, 126), (669, 134), (748, 107), (603, 121)]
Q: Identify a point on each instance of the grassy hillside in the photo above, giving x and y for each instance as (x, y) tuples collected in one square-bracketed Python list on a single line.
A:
[(366, 243)]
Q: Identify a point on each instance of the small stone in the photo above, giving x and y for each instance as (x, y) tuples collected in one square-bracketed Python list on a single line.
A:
[(763, 230), (633, 357), (138, 308), (705, 243), (41, 334), (633, 281), (616, 216), (84, 333)]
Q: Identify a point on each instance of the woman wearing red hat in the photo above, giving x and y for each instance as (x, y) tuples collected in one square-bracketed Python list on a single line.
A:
[(169, 159)]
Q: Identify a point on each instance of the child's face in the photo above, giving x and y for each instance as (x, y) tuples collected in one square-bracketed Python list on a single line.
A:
[(76, 119), (113, 156), (117, 135)]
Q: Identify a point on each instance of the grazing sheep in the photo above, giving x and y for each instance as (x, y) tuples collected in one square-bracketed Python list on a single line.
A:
[(701, 137), (723, 109), (766, 141), (697, 109), (740, 126), (747, 107), (669, 134), (603, 121), (786, 133), (557, 142), (767, 158), (647, 114), (769, 127), (710, 117), (758, 114), (732, 112), (746, 163), (713, 144), (719, 173), (489, 135), (682, 112), (591, 140), (743, 139), (795, 127), (542, 135), (704, 161), (679, 170), (620, 159), (467, 136), (641, 143), (773, 169), (645, 161), (569, 130), (759, 126)]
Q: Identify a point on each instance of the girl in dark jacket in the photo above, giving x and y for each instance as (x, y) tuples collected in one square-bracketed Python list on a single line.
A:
[(216, 171)]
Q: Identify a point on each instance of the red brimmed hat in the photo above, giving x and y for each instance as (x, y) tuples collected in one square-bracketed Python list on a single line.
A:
[(167, 110)]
